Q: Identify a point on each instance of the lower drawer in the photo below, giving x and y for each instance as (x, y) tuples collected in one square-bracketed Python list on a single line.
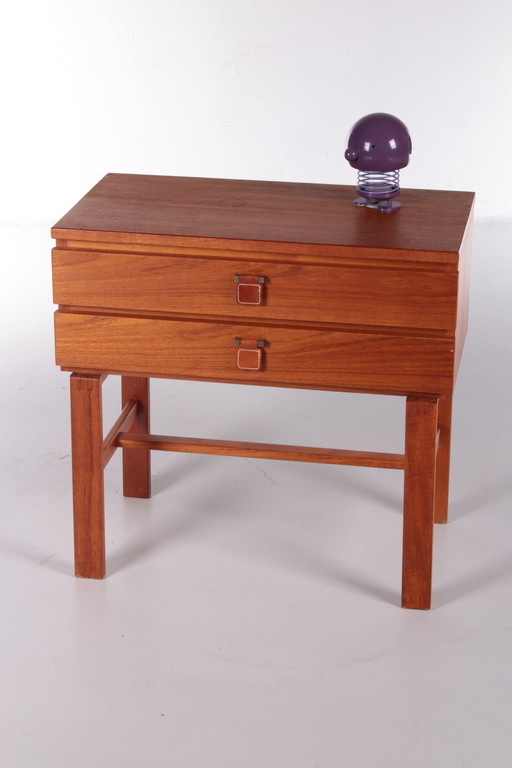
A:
[(288, 356)]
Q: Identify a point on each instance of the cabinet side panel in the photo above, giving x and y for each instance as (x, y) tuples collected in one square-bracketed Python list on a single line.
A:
[(463, 291)]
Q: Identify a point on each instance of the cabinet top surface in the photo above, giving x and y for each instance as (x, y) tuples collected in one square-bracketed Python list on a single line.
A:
[(138, 209)]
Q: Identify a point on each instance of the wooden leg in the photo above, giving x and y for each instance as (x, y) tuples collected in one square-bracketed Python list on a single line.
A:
[(137, 461), (419, 491), (443, 460), (87, 462)]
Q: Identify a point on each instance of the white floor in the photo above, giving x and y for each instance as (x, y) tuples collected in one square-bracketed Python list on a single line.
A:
[(251, 615)]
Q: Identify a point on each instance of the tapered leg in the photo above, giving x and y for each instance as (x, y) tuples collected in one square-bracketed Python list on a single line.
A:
[(419, 492), (443, 460), (137, 461), (87, 462)]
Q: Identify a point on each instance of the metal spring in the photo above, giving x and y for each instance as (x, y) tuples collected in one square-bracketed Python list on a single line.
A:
[(378, 182)]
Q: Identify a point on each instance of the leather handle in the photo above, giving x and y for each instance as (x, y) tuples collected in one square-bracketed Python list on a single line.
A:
[(249, 289), (249, 354)]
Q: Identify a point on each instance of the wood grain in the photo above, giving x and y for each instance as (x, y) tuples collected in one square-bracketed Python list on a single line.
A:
[(464, 267), (166, 210), (261, 450), (87, 462), (299, 357), (343, 295), (246, 250), (419, 488), (443, 460), (123, 423), (137, 463)]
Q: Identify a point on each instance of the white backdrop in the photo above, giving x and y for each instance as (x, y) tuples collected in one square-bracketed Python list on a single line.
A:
[(254, 606), (263, 89)]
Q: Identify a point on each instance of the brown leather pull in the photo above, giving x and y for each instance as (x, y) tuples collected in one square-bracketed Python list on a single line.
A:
[(249, 354), (249, 289)]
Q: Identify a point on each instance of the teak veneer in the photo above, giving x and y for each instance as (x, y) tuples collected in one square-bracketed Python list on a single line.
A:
[(266, 283)]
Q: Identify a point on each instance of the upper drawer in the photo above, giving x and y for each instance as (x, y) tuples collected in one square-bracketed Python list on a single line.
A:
[(345, 294)]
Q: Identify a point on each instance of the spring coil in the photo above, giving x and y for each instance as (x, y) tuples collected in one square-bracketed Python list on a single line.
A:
[(378, 182)]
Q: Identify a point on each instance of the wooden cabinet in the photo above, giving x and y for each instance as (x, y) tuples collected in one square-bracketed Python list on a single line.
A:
[(263, 283)]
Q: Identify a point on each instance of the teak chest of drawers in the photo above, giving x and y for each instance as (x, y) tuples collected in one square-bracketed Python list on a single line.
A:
[(265, 283)]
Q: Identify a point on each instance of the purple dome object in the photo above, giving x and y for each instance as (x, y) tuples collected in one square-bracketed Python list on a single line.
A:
[(378, 142), (378, 146)]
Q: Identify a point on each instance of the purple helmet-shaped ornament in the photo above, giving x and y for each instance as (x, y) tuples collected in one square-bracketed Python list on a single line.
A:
[(378, 146)]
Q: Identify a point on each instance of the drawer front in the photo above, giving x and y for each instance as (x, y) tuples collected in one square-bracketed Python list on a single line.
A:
[(288, 357), (341, 295)]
